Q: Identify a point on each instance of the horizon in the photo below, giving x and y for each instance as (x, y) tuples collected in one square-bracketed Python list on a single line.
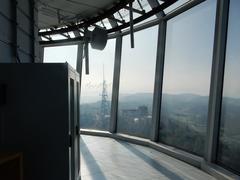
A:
[(94, 99)]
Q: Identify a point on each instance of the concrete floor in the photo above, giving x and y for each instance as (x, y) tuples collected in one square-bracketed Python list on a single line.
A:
[(109, 159)]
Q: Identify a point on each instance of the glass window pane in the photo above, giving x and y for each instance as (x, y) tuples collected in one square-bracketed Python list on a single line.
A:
[(137, 83), (61, 54), (175, 6), (186, 81), (96, 88), (229, 142)]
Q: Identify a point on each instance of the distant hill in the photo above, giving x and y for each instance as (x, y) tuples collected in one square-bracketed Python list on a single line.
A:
[(231, 113), (179, 105), (131, 101)]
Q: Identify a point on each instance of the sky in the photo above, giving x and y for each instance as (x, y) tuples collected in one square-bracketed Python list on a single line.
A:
[(61, 54), (101, 63), (188, 53), (232, 65), (188, 58), (138, 64)]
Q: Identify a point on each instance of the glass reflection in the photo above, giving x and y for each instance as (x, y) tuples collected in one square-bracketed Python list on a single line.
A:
[(229, 137), (186, 82), (136, 83)]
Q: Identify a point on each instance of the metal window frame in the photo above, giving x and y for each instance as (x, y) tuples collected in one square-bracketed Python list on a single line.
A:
[(157, 93), (116, 83), (159, 69), (217, 73), (217, 77), (117, 74), (79, 62), (157, 100)]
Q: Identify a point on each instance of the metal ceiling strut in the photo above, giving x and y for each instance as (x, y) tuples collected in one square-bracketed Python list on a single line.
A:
[(145, 16), (131, 24), (89, 22), (157, 9), (135, 10), (61, 42)]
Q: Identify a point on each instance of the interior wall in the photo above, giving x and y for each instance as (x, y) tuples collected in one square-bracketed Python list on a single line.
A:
[(18, 32)]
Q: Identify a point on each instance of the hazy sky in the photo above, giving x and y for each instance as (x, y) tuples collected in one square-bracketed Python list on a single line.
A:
[(189, 48), (61, 54), (92, 83), (138, 64), (188, 57), (232, 66)]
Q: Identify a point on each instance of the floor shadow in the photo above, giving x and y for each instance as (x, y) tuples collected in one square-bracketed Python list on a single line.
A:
[(91, 162), (153, 163)]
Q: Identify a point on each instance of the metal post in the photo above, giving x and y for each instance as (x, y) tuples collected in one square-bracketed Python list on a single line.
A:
[(217, 75), (86, 53), (79, 62), (156, 110), (79, 70), (131, 24), (115, 88)]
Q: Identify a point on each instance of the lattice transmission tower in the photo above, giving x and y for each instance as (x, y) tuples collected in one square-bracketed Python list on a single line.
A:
[(105, 110)]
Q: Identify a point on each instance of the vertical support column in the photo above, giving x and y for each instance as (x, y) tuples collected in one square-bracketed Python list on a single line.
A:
[(217, 74), (115, 88), (157, 97)]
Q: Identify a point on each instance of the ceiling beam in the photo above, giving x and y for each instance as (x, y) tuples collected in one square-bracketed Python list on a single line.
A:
[(62, 42), (116, 20)]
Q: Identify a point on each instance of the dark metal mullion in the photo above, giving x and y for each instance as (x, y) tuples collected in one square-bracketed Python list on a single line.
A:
[(79, 63), (115, 88), (131, 25), (217, 75), (79, 55), (86, 54), (186, 6), (157, 96)]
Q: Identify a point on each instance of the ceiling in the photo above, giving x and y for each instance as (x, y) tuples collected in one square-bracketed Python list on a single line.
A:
[(72, 19), (60, 12)]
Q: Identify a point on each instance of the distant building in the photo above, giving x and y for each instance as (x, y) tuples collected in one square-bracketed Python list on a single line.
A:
[(139, 113)]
